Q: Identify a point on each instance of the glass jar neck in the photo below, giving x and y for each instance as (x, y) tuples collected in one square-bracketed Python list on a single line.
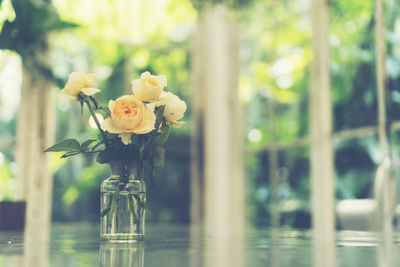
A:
[(123, 170)]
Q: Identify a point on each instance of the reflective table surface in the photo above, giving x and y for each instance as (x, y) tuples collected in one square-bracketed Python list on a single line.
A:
[(176, 245)]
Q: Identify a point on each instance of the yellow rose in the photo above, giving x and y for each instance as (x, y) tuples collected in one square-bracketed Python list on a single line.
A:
[(129, 115), (79, 82), (174, 108), (149, 87)]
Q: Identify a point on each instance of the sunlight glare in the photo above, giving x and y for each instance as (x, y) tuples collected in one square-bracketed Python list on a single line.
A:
[(11, 81), (1, 158), (284, 82), (255, 135), (92, 123), (282, 67)]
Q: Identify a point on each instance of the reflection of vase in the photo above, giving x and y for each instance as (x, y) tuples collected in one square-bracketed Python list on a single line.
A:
[(123, 201), (115, 254)]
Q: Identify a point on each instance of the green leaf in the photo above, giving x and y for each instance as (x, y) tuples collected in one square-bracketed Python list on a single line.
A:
[(133, 153), (103, 157), (68, 145), (162, 137), (159, 112), (81, 106), (69, 154), (7, 38), (97, 145), (57, 24), (108, 155), (139, 140), (158, 156), (104, 111), (85, 145), (33, 20), (94, 101)]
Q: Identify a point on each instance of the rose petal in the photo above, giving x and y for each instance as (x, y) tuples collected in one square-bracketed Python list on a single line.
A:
[(76, 80), (151, 106), (63, 95), (163, 80), (111, 105), (109, 126), (174, 107), (125, 138), (148, 87), (136, 85), (176, 124), (145, 74), (89, 80), (90, 91), (148, 122)]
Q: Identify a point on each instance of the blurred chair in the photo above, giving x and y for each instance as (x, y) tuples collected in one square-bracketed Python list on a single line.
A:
[(368, 214), (356, 214)]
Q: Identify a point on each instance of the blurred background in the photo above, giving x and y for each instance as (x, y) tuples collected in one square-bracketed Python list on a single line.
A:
[(266, 59)]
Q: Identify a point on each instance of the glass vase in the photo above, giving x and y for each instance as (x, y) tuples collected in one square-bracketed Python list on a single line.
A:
[(123, 203)]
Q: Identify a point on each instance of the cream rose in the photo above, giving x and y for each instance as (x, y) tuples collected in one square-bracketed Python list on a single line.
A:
[(174, 108), (79, 82), (149, 87), (129, 116)]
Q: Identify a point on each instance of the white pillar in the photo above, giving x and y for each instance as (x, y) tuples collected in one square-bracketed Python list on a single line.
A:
[(224, 177), (218, 112), (35, 133), (218, 194), (322, 173), (386, 197), (197, 130)]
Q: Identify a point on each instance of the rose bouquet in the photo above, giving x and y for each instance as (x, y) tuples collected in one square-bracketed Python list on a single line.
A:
[(130, 140), (135, 126)]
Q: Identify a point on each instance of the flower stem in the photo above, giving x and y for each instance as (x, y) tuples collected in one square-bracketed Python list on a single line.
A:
[(91, 110)]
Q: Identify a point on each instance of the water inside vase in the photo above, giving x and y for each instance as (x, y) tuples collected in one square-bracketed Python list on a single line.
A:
[(122, 215)]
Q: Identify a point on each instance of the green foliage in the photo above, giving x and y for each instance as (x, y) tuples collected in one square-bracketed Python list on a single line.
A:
[(27, 33), (116, 150), (6, 182), (353, 64), (158, 155), (236, 4), (34, 19), (72, 147), (278, 44), (85, 145), (68, 145), (278, 49)]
